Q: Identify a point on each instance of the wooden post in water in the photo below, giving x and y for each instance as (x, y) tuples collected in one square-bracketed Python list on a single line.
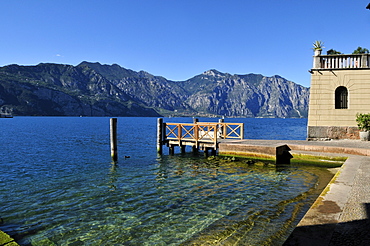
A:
[(113, 139), (196, 134), (213, 151), (206, 149), (183, 148), (171, 149), (160, 132)]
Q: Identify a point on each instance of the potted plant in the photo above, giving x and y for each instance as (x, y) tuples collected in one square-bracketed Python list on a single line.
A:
[(317, 47), (363, 123)]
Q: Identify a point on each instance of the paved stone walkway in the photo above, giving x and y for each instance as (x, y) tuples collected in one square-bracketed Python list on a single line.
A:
[(354, 223), (355, 147)]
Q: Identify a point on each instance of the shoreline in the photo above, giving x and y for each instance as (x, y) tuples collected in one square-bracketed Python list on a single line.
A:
[(341, 213)]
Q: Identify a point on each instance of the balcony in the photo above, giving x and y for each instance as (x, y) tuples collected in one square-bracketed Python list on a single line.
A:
[(330, 62)]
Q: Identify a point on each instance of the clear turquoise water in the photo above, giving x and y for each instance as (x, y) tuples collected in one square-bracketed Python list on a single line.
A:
[(59, 187)]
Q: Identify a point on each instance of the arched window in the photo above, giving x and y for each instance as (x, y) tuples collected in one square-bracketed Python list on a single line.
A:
[(341, 97)]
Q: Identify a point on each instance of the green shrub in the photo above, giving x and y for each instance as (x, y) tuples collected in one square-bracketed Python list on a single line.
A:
[(363, 122)]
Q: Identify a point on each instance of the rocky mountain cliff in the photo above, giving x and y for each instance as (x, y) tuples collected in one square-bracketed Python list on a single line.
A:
[(92, 89)]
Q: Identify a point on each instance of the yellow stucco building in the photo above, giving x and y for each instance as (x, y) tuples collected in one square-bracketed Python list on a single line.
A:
[(340, 88)]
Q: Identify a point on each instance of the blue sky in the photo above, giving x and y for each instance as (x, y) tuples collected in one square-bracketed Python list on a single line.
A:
[(180, 39)]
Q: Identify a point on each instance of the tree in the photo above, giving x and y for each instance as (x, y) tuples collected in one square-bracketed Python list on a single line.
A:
[(361, 50), (333, 52)]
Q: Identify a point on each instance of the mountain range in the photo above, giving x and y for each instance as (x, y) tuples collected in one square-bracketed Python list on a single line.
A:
[(93, 89)]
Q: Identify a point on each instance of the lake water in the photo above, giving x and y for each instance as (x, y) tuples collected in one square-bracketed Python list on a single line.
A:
[(58, 186)]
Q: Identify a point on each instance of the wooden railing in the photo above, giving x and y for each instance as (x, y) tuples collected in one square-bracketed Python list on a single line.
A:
[(342, 61), (203, 135), (203, 131)]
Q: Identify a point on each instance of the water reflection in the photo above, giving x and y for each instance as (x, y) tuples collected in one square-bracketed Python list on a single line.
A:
[(113, 176)]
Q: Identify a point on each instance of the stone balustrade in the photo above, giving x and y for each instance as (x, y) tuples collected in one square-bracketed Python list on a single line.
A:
[(341, 61)]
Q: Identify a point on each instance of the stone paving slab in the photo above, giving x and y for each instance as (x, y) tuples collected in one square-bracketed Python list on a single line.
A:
[(354, 223), (324, 220)]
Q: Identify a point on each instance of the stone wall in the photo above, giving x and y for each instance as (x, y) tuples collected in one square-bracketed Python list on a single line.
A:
[(332, 132), (326, 122)]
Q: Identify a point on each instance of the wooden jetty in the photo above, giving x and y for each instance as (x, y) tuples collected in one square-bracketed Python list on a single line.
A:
[(200, 135)]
